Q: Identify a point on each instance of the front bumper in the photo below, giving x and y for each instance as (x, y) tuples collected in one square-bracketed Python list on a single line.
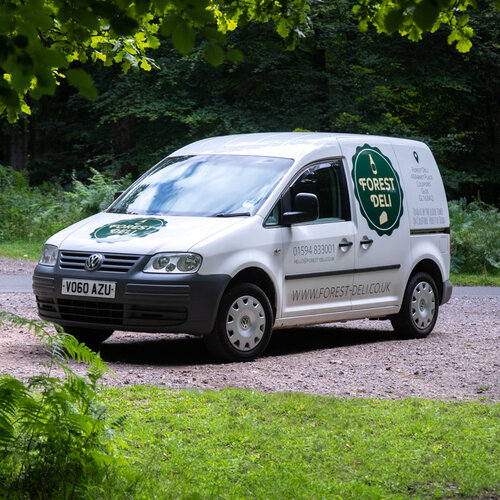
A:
[(174, 303)]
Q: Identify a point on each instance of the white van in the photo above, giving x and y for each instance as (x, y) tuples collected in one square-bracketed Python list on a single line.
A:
[(231, 237)]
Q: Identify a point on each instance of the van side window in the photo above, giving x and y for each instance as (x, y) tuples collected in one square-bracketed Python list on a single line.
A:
[(273, 218), (324, 180)]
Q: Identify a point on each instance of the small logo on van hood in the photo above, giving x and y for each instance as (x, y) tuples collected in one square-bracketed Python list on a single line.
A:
[(127, 228), (378, 189)]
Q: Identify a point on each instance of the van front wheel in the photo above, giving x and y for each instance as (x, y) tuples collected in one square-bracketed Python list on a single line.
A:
[(243, 326), (419, 310)]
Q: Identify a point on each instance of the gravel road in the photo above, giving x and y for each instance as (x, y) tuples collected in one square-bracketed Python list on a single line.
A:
[(460, 360)]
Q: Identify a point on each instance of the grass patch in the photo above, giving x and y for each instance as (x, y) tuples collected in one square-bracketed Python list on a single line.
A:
[(21, 249), (475, 279), (242, 444)]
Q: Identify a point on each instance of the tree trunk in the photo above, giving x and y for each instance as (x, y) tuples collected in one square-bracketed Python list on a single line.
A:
[(123, 138), (19, 143)]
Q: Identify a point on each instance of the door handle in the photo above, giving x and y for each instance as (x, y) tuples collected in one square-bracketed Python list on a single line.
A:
[(366, 242), (345, 245)]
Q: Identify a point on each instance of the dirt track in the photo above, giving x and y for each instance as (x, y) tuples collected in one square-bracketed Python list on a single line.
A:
[(460, 360)]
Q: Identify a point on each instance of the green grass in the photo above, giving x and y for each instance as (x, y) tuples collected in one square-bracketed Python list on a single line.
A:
[(484, 279), (242, 444), (21, 249)]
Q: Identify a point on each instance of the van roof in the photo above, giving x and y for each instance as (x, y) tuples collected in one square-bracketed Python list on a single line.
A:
[(292, 145)]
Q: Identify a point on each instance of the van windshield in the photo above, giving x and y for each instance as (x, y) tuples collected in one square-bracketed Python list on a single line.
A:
[(205, 185)]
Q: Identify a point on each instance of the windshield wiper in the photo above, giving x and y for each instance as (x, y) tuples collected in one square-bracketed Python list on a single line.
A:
[(236, 214)]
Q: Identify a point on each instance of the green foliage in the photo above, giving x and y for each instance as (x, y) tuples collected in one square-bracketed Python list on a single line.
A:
[(475, 233), (39, 40), (97, 194), (244, 444), (413, 18), (21, 249), (29, 213), (484, 279), (338, 79), (35, 213), (54, 436)]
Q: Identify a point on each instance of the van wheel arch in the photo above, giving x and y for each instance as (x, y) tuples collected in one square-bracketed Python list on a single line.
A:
[(244, 323), (425, 285), (419, 309), (259, 277), (432, 269)]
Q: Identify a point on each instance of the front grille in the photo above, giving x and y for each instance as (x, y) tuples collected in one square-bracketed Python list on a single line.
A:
[(110, 313), (135, 315), (90, 312), (116, 263)]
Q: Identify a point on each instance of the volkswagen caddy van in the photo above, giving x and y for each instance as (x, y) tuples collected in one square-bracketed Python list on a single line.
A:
[(231, 237)]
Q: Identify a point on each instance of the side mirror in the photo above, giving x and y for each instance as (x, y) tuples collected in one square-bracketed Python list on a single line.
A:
[(118, 194), (306, 209)]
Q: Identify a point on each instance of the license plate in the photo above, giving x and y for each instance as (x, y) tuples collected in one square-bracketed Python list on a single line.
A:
[(87, 288)]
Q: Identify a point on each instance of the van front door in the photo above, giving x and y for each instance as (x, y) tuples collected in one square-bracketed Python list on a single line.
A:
[(318, 256)]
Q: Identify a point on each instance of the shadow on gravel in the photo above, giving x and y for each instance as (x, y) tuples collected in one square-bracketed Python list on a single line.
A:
[(315, 338), (185, 350)]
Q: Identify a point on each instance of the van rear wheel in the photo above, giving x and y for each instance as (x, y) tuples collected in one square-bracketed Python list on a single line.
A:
[(419, 310), (91, 338), (243, 326)]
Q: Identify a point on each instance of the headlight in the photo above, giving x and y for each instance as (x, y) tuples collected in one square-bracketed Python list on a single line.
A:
[(173, 263), (48, 256)]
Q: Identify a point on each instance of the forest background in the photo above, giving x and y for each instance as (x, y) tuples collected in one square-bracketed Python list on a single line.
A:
[(337, 79)]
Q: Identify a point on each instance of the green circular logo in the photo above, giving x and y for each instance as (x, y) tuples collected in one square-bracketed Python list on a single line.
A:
[(129, 228), (378, 189)]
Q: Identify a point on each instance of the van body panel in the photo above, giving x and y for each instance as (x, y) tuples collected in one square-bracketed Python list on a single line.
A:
[(297, 146), (108, 233), (318, 272), (423, 187), (341, 316), (429, 247), (381, 267), (243, 246)]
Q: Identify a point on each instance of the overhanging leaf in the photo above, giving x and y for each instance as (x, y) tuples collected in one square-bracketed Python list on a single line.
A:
[(393, 20), (235, 55), (214, 54), (183, 37), (80, 79), (124, 25), (426, 14), (169, 24)]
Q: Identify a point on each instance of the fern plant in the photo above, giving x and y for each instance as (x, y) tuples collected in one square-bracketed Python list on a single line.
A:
[(475, 233), (29, 212), (54, 435), (98, 194), (38, 212)]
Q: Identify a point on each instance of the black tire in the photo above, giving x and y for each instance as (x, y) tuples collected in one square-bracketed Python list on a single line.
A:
[(243, 326), (91, 338), (420, 307)]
